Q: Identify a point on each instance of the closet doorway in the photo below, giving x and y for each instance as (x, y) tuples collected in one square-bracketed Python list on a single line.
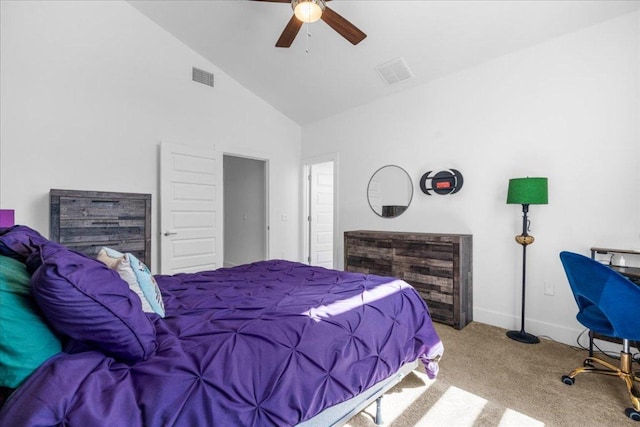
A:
[(245, 210), (320, 211)]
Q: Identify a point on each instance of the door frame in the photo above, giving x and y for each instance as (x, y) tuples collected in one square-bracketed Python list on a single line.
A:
[(253, 155), (306, 164)]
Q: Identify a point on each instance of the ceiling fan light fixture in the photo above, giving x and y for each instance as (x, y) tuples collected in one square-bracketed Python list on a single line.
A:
[(308, 10)]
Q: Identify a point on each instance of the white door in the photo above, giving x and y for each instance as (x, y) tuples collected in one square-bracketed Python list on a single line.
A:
[(190, 209), (321, 214)]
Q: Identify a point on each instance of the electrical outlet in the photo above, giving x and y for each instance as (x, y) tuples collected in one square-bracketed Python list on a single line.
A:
[(548, 288)]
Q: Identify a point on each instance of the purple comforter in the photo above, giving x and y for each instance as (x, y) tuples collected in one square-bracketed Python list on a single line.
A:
[(267, 344)]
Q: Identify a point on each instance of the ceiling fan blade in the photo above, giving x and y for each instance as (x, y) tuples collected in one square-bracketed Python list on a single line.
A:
[(290, 32), (345, 28)]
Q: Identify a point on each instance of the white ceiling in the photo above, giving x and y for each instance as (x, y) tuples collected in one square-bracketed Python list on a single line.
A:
[(434, 37)]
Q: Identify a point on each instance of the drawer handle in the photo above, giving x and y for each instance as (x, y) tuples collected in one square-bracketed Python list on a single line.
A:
[(106, 201), (170, 233), (105, 223)]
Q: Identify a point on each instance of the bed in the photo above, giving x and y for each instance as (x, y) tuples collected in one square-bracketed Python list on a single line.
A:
[(272, 343)]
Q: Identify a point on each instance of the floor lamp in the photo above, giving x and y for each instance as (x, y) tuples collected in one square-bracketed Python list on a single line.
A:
[(525, 192)]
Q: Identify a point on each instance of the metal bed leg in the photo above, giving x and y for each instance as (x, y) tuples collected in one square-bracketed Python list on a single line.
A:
[(379, 411)]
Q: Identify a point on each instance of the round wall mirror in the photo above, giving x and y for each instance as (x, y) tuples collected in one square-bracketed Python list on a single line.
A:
[(390, 191)]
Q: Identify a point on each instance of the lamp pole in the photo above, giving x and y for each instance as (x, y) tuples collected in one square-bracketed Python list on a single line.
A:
[(525, 240)]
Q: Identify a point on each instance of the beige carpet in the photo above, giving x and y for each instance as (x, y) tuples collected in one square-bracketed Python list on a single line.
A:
[(487, 379)]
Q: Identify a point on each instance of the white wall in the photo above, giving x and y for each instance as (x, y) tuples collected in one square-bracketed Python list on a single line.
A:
[(88, 91), (567, 109)]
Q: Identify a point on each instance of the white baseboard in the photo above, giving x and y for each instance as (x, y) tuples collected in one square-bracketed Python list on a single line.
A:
[(558, 333)]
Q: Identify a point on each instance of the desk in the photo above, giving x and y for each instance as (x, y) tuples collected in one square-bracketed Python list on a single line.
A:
[(632, 273)]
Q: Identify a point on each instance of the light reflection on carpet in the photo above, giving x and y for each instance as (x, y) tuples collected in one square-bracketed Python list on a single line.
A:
[(453, 408)]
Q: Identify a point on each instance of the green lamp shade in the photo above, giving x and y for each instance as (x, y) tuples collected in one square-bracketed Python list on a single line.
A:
[(528, 191)]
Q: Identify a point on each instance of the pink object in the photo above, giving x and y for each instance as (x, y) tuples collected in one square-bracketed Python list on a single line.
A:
[(7, 217)]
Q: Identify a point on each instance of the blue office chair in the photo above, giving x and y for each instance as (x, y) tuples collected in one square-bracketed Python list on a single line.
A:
[(608, 304)]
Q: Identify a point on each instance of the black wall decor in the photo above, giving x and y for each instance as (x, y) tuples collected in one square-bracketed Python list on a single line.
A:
[(443, 182)]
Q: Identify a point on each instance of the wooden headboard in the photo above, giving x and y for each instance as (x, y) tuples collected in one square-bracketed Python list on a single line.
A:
[(85, 221)]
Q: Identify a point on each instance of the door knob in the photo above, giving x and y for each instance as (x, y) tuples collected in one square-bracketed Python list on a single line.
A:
[(169, 233)]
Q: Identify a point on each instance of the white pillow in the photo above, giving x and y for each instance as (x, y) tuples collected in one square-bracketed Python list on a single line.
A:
[(122, 264)]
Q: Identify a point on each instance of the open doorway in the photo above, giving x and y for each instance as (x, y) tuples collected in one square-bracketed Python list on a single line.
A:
[(245, 210), (320, 212)]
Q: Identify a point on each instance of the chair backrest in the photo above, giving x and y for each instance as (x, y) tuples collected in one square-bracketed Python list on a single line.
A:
[(602, 290)]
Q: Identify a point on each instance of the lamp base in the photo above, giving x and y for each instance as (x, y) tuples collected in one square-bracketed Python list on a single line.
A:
[(524, 337)]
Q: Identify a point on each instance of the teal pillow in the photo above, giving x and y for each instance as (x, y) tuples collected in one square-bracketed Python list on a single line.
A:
[(25, 337)]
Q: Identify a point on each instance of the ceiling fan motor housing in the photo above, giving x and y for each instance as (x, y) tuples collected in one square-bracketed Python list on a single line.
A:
[(308, 10)]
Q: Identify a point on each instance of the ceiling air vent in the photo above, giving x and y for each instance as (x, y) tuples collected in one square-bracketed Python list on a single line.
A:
[(201, 76), (394, 71)]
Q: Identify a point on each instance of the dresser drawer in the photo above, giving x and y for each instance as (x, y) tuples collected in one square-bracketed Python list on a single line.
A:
[(426, 281), (100, 230), (136, 247), (101, 208)]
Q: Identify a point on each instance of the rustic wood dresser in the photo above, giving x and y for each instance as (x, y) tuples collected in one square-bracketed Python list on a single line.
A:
[(439, 266), (85, 221)]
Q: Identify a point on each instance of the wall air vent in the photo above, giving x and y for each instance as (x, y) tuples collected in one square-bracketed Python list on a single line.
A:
[(201, 76), (394, 71)]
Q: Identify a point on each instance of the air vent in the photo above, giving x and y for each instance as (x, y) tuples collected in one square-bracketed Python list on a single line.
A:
[(394, 71), (201, 76)]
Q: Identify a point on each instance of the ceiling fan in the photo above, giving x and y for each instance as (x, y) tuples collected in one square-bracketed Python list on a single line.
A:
[(311, 11)]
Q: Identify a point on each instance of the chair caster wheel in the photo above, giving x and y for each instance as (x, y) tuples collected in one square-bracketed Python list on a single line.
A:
[(569, 381), (632, 413)]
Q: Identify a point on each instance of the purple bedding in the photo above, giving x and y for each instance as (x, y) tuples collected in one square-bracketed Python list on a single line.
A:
[(267, 344)]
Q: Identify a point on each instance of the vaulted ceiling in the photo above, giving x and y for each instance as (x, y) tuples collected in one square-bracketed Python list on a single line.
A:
[(322, 74)]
